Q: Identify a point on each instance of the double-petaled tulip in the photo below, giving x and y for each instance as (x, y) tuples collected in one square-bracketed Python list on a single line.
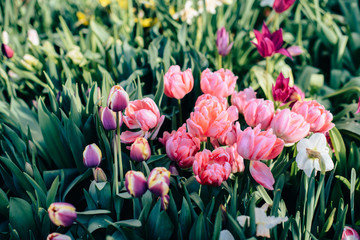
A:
[(229, 138), (181, 146), (282, 5), (33, 37), (237, 161), (222, 42), (108, 118), (57, 236), (118, 99), (140, 150), (176, 83), (315, 114), (92, 156), (62, 214), (99, 175), (289, 126), (349, 234), (270, 43), (220, 83), (7, 51), (259, 112), (254, 144), (159, 181), (144, 115), (212, 168), (281, 90), (262, 174), (240, 99), (207, 96), (135, 183)]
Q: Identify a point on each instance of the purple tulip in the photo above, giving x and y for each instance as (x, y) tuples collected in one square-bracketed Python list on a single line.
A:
[(282, 5), (118, 99), (159, 181), (7, 51), (62, 214), (92, 156), (108, 118), (349, 234), (140, 150), (281, 90), (222, 42), (57, 236), (135, 183), (270, 43), (295, 95), (164, 202)]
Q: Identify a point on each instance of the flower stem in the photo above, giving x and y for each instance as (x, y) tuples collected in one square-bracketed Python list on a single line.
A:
[(219, 61), (180, 112), (85, 228), (119, 149), (267, 65), (116, 178)]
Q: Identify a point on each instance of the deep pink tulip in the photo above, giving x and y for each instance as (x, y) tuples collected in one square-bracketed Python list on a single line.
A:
[(315, 114), (222, 42), (62, 214), (7, 51), (289, 126), (108, 118), (159, 181), (212, 168), (176, 83), (254, 144), (262, 174), (118, 99), (259, 112), (58, 236), (270, 43), (295, 95), (220, 83), (240, 99), (349, 234), (358, 110), (135, 183), (281, 90), (140, 150), (282, 5), (92, 156)]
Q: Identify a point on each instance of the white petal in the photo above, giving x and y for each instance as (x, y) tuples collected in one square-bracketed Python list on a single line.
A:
[(242, 219), (273, 221), (226, 235), (260, 216), (301, 158), (318, 141), (329, 164), (303, 144), (308, 167), (262, 231)]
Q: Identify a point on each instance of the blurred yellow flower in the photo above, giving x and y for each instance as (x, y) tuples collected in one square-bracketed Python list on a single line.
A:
[(123, 4), (104, 3), (148, 3), (146, 22), (172, 10), (82, 19)]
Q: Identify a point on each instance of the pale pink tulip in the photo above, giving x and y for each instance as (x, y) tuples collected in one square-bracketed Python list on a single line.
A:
[(315, 114), (240, 99), (176, 83), (229, 138), (237, 161), (262, 174), (220, 83), (259, 111), (206, 96)]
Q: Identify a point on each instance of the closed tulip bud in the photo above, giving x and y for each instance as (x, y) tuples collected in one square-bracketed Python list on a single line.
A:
[(159, 181), (33, 37), (7, 51), (349, 234), (173, 170), (92, 156), (57, 236), (62, 214), (108, 118), (281, 91), (140, 150), (222, 42), (165, 202), (99, 175), (176, 83), (135, 183), (28, 169), (118, 99)]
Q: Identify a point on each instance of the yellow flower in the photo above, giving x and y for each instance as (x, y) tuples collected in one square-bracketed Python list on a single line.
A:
[(147, 22), (172, 10), (123, 4), (82, 19), (104, 3)]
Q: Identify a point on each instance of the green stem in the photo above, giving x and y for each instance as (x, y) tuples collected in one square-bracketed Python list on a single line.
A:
[(119, 150), (267, 65), (85, 228), (219, 61), (116, 177), (180, 112)]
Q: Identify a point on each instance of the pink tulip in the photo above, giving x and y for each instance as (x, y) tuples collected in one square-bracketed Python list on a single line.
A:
[(57, 236), (211, 119), (140, 150), (135, 183), (206, 96), (315, 114), (222, 42), (237, 162), (108, 118), (7, 51), (118, 99), (262, 174), (282, 5), (254, 144), (212, 168), (220, 83), (295, 51), (289, 126), (349, 234), (358, 110), (241, 98), (144, 115), (181, 146), (281, 90), (176, 83), (230, 138), (259, 112)]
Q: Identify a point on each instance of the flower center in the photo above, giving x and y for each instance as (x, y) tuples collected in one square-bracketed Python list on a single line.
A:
[(313, 153)]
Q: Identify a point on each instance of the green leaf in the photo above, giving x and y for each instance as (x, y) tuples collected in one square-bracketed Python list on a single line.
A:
[(217, 225), (339, 147), (94, 212), (185, 218), (98, 222), (51, 195)]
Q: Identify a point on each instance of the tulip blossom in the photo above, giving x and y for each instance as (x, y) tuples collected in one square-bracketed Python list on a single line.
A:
[(262, 174), (349, 234), (254, 144), (270, 43), (230, 137), (140, 150), (135, 183), (289, 126), (222, 42), (315, 114), (220, 83), (181, 146), (92, 156), (241, 98), (358, 110), (259, 112), (282, 5), (295, 51), (33, 37), (57, 236), (7, 51), (313, 154), (62, 214), (295, 95), (237, 161), (99, 175), (281, 90), (159, 181), (211, 119), (212, 168), (118, 99), (144, 115), (206, 96), (176, 83), (108, 118)]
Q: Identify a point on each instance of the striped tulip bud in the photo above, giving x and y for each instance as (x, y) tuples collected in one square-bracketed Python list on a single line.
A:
[(57, 236), (99, 175), (92, 156), (140, 150), (165, 202), (349, 234), (135, 183), (108, 118), (159, 181), (62, 214), (118, 99), (7, 51)]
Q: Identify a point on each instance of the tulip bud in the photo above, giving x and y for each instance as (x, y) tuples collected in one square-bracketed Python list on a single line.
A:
[(62, 214), (57, 236), (173, 170), (222, 42), (135, 183), (281, 90), (282, 5), (7, 51), (108, 118), (33, 37), (28, 169), (165, 202), (76, 56), (159, 181), (92, 156), (5, 37), (99, 175), (349, 234), (32, 147), (140, 150), (118, 99)]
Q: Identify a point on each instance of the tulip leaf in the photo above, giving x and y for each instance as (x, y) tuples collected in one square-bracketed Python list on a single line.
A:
[(98, 222), (185, 217), (94, 212)]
